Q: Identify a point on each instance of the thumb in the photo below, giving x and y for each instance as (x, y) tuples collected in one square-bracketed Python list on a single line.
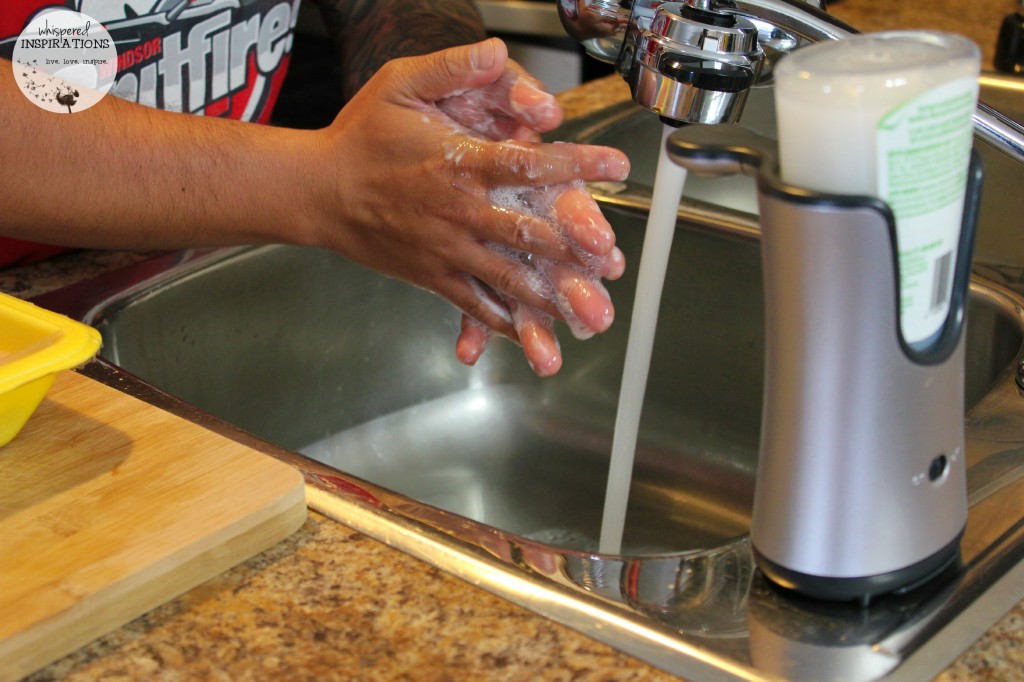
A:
[(441, 74)]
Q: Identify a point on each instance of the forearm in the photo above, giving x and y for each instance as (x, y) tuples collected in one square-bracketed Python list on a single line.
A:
[(368, 33), (394, 183), (124, 175)]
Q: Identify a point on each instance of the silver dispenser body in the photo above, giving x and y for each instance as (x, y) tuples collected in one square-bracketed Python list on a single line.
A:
[(861, 486)]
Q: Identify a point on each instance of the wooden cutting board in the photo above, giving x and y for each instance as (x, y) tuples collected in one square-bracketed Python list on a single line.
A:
[(110, 507)]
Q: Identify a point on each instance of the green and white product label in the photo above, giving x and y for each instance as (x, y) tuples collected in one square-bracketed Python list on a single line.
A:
[(923, 152)]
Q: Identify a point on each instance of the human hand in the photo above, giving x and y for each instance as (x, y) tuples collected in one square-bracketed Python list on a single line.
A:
[(576, 290), (516, 106), (414, 196)]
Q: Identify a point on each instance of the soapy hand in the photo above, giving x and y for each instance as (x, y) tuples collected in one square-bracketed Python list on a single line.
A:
[(513, 107), (575, 288), (516, 106), (454, 194)]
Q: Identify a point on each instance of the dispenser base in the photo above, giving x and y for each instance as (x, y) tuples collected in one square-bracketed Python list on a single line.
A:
[(864, 588)]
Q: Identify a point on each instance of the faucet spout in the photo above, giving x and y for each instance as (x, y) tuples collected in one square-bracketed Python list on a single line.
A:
[(691, 64)]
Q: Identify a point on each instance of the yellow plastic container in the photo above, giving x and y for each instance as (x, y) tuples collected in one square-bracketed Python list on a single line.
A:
[(35, 344)]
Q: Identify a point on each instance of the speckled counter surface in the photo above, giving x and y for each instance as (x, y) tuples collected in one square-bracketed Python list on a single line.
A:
[(329, 603)]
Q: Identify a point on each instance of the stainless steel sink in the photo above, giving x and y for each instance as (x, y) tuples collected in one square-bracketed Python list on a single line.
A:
[(308, 351), (498, 477)]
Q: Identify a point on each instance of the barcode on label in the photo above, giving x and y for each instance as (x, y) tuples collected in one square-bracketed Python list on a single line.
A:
[(940, 281)]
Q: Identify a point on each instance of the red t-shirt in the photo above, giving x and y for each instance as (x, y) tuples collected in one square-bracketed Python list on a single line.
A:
[(225, 58)]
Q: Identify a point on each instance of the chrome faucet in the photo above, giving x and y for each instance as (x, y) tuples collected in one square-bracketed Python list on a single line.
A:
[(689, 64), (783, 25), (694, 61)]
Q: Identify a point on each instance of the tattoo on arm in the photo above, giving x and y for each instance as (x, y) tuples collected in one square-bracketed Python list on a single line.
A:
[(368, 33)]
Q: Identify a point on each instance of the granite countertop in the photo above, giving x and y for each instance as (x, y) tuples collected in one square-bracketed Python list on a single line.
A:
[(330, 603)]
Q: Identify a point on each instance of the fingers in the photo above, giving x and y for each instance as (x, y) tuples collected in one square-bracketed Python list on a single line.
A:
[(571, 293), (438, 75), (577, 294), (533, 106), (580, 297), (541, 287), (515, 106), (565, 285), (481, 303), (561, 222), (589, 234), (613, 265), (529, 164), (533, 329), (472, 342), (581, 219), (537, 336), (512, 273), (525, 218)]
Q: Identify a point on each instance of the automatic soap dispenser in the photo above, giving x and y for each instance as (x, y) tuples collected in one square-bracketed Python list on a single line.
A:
[(861, 485)]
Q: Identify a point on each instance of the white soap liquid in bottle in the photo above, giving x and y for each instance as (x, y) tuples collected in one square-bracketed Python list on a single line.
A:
[(889, 115)]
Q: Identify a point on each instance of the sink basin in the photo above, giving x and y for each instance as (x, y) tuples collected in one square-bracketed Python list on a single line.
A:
[(308, 351), (320, 356), (498, 477)]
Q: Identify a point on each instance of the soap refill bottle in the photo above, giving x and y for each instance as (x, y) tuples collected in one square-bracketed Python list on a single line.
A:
[(867, 242)]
